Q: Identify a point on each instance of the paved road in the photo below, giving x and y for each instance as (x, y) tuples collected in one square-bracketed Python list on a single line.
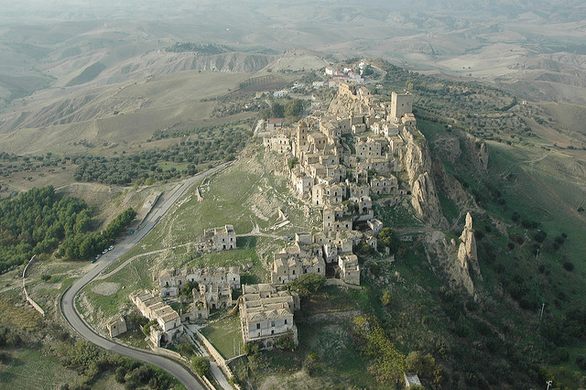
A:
[(68, 300)]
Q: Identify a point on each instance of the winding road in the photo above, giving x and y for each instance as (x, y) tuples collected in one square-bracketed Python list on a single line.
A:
[(69, 310)]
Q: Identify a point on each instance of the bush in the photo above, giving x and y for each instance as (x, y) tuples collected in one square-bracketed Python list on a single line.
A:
[(569, 266), (310, 362), (307, 284), (386, 298), (286, 342), (201, 365), (540, 236), (120, 374), (387, 363), (581, 362)]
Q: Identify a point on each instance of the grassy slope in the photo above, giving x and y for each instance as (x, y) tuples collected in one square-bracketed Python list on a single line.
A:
[(252, 201), (31, 369), (542, 186)]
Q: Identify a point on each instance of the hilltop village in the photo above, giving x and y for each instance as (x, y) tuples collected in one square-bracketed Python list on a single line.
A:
[(343, 162)]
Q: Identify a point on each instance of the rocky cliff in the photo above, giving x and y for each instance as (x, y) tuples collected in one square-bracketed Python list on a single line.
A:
[(467, 255), (416, 162), (351, 100), (458, 260)]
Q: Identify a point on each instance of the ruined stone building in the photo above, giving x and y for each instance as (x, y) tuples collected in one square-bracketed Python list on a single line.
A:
[(116, 327), (172, 280), (218, 239), (152, 307), (266, 314), (346, 161), (302, 257), (213, 289)]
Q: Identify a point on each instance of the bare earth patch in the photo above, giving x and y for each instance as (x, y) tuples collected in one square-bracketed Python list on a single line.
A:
[(106, 288)]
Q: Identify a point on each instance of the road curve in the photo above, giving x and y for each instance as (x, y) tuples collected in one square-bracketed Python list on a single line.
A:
[(72, 316)]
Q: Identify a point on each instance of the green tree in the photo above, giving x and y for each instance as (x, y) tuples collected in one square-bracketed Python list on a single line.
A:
[(294, 108), (278, 110), (386, 297), (307, 284), (201, 365), (310, 362), (424, 366)]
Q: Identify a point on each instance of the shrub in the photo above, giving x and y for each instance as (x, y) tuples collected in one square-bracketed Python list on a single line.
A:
[(540, 236), (581, 362), (307, 284), (201, 365), (386, 298), (286, 342), (569, 266), (310, 362)]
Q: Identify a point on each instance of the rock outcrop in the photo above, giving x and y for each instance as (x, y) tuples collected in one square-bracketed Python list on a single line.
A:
[(467, 256), (425, 201), (417, 164), (458, 260), (353, 100)]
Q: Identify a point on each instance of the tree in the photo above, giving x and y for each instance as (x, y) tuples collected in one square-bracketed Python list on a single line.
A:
[(385, 237), (294, 108), (201, 365), (310, 362), (424, 366), (307, 284), (278, 110), (286, 342), (387, 363), (386, 298)]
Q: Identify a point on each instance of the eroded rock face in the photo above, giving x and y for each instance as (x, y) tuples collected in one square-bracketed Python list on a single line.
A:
[(351, 100), (467, 249), (457, 258), (467, 254), (417, 164), (425, 201)]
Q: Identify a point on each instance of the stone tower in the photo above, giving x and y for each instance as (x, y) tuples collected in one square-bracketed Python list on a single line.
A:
[(401, 104), (301, 139)]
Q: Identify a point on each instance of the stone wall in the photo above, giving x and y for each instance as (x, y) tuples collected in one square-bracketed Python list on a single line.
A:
[(35, 305)]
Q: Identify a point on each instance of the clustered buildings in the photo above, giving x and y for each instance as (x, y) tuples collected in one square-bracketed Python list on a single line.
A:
[(341, 164)]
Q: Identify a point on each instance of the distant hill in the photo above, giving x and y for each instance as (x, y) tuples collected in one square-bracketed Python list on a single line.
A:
[(88, 74)]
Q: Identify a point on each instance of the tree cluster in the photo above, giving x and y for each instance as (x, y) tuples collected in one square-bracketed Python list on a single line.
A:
[(307, 284), (387, 363), (91, 362), (86, 245), (162, 164), (36, 222)]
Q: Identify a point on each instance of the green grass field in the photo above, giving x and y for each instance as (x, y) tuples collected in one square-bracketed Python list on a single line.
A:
[(226, 336), (31, 369)]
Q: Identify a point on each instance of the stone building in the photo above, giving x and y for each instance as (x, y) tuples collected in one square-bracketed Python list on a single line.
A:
[(267, 314), (349, 159), (401, 104), (116, 327), (219, 239), (278, 143), (172, 280), (152, 307), (349, 269)]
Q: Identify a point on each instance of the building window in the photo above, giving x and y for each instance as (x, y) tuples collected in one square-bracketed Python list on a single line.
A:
[(285, 321), (257, 326), (273, 324)]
